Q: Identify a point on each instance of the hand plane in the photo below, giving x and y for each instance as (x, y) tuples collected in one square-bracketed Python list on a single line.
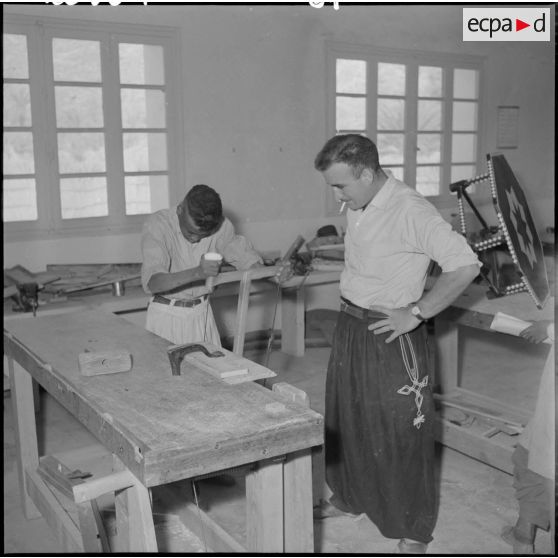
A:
[(178, 352)]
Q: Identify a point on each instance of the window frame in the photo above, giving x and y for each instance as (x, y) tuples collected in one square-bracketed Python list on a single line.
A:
[(39, 32), (373, 55)]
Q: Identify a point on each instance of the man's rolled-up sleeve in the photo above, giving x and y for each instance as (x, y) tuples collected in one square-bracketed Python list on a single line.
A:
[(430, 233), (155, 256), (236, 249)]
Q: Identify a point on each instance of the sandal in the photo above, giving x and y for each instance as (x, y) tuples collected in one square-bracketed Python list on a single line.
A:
[(519, 547), (405, 546), (326, 509)]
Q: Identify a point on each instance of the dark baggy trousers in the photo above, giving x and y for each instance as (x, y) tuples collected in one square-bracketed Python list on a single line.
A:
[(379, 451)]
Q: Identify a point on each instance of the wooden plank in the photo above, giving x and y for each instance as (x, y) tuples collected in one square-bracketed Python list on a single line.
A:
[(292, 321), (474, 300), (255, 273), (101, 283), (20, 275), (200, 524), (10, 291), (91, 527), (54, 513), (96, 487), (297, 485), (447, 353), (491, 407), (93, 535), (464, 317), (474, 445), (242, 312), (23, 410), (315, 278), (298, 499), (482, 406), (134, 518), (218, 367), (55, 473), (104, 362), (264, 508)]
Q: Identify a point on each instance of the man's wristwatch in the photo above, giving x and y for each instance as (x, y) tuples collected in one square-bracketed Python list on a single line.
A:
[(415, 311)]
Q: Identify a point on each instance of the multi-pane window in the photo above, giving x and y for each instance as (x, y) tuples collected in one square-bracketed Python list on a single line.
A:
[(86, 124), (19, 187), (422, 111)]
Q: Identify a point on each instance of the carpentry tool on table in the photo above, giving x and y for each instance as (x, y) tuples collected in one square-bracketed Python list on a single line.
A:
[(117, 284), (27, 298), (300, 267), (176, 354), (24, 288)]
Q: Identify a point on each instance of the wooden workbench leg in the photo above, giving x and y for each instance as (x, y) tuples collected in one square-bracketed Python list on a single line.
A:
[(91, 527), (297, 480), (447, 355), (135, 531), (292, 321), (299, 521), (264, 508), (23, 410)]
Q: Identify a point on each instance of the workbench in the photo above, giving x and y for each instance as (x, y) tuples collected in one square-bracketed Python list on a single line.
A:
[(293, 307), (161, 428), (134, 299), (474, 310)]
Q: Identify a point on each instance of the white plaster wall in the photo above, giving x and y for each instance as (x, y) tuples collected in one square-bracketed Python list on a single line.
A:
[(254, 110)]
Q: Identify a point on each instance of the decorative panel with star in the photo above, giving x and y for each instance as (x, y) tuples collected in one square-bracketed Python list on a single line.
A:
[(519, 229)]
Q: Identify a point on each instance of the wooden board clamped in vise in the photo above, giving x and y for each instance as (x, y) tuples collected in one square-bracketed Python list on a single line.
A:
[(104, 362)]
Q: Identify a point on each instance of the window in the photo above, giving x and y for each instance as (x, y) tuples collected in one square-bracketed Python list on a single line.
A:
[(87, 127), (421, 109)]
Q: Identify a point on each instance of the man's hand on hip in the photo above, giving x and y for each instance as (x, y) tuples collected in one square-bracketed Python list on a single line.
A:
[(398, 321)]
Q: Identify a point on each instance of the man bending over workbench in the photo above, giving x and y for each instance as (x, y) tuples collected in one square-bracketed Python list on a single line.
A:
[(174, 270)]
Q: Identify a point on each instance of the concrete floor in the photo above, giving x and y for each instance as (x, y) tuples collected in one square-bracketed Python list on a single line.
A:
[(476, 500)]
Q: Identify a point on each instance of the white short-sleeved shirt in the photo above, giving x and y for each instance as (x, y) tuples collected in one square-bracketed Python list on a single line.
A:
[(165, 250), (389, 246)]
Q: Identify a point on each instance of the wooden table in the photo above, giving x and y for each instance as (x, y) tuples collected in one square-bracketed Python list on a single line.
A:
[(293, 303), (162, 428), (293, 308), (474, 310)]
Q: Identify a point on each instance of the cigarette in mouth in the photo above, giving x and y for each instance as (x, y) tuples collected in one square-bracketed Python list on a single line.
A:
[(342, 207)]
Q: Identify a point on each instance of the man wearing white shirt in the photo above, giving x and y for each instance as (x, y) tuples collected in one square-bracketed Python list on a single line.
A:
[(174, 270), (379, 418)]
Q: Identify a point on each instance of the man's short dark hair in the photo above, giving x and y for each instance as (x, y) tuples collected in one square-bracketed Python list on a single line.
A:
[(357, 151), (205, 207)]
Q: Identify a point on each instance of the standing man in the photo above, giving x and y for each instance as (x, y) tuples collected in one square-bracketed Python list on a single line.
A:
[(534, 466), (173, 244), (379, 415)]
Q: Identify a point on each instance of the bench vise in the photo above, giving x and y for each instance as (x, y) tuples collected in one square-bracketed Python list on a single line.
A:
[(27, 298)]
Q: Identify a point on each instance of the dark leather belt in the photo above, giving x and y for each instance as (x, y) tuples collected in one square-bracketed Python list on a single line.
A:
[(177, 302), (358, 312)]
